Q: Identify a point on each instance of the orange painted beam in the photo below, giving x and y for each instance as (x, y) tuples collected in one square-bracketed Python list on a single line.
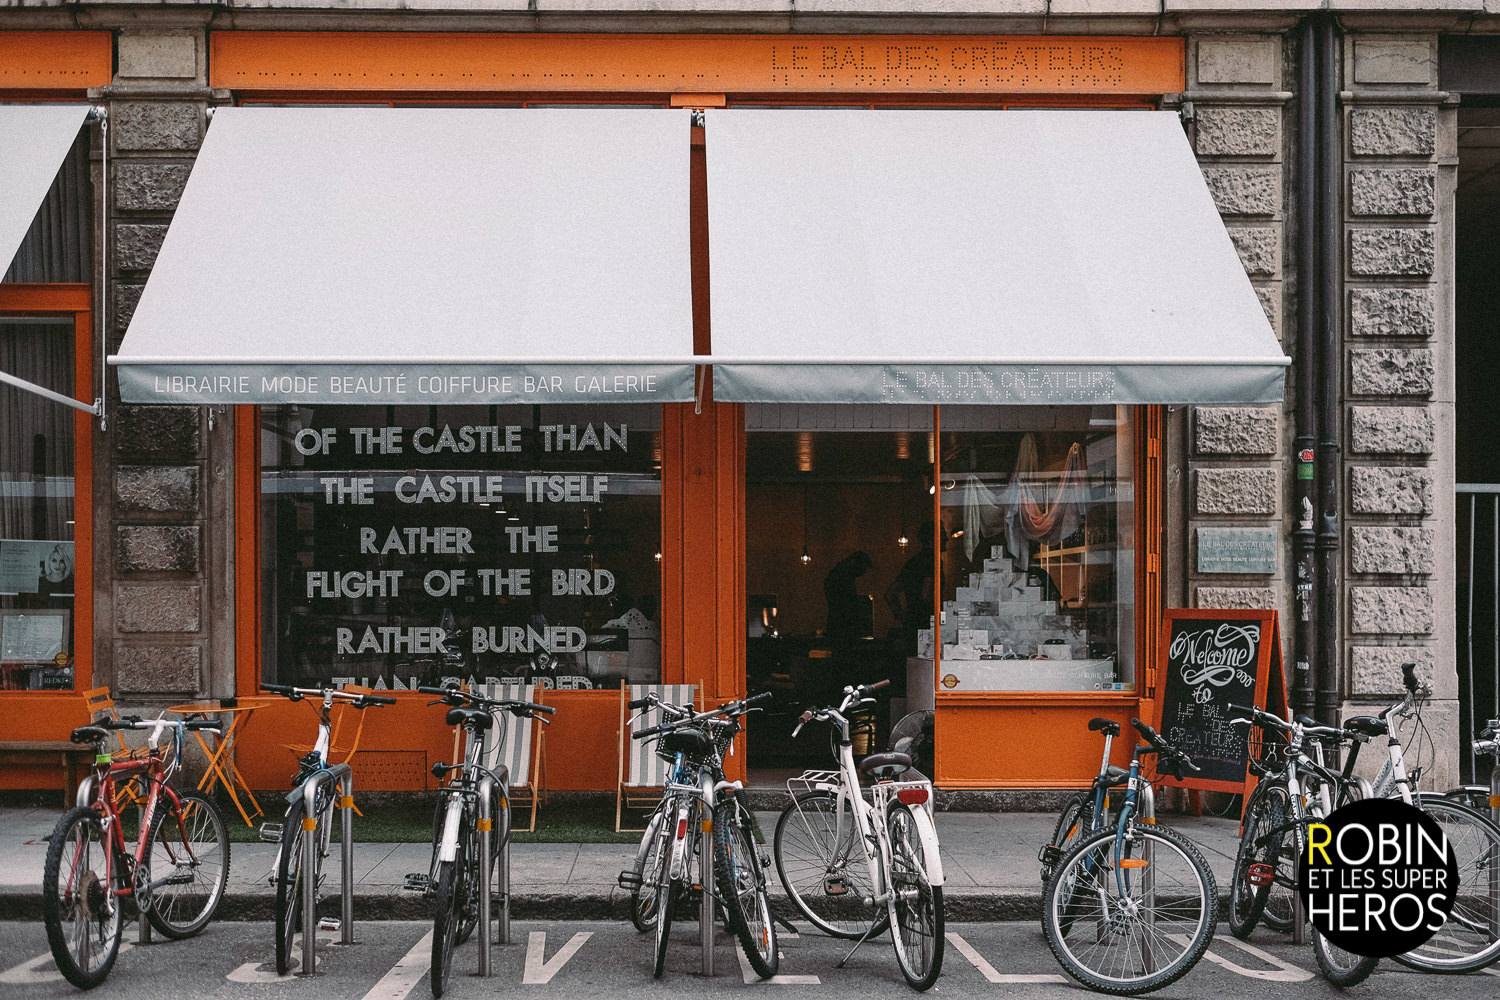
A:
[(55, 60), (695, 64)]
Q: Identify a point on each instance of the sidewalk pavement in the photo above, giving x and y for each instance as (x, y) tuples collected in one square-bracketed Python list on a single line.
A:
[(989, 862)]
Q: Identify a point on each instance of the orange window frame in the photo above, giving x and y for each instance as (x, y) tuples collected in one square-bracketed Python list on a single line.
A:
[(42, 714)]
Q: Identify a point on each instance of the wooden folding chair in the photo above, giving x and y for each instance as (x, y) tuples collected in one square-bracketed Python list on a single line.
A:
[(518, 750), (100, 703), (642, 774)]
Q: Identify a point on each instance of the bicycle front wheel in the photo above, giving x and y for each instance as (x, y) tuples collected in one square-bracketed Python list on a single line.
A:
[(740, 871), (1341, 968), (1471, 937), (289, 885), (823, 868), (666, 899), (445, 922), (1132, 915), (189, 865), (80, 912), (1266, 841), (916, 905)]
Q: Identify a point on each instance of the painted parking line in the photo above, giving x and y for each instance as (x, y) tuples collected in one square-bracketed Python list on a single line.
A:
[(406, 973), (42, 969), (750, 975), (988, 971), (539, 972), (1282, 972), (265, 971)]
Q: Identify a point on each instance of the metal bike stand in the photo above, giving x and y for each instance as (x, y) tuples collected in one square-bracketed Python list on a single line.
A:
[(142, 927), (310, 789), (1495, 869), (486, 826), (504, 934), (706, 909), (1145, 801)]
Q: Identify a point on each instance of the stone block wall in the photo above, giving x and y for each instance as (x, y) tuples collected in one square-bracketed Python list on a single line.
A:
[(1399, 152), (1237, 456), (160, 520)]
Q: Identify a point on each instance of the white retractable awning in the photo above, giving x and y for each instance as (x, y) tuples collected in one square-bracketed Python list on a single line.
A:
[(1049, 257), (34, 140), (432, 255)]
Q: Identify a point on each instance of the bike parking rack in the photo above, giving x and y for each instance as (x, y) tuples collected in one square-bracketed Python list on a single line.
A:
[(1495, 869), (345, 777), (706, 906)]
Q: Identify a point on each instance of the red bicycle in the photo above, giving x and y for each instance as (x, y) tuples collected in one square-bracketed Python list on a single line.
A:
[(176, 873)]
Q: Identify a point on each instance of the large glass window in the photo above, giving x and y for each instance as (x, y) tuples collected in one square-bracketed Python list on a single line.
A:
[(36, 508), (406, 545), (1038, 568)]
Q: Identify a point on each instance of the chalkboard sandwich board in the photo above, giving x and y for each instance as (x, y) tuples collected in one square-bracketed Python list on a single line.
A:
[(1212, 659)]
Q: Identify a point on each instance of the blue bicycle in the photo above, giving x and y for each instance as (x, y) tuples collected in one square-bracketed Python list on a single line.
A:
[(1131, 907)]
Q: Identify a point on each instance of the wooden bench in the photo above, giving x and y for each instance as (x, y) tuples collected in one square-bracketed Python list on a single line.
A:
[(73, 758)]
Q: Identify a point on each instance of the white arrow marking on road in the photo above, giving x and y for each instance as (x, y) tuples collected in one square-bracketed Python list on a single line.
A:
[(988, 971), (265, 972), (751, 976), (539, 972), (405, 974), (1283, 973), (30, 972)]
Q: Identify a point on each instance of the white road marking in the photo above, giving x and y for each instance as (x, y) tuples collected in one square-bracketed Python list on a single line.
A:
[(539, 972), (988, 971), (750, 975), (265, 972), (31, 971), (1283, 973), (405, 974)]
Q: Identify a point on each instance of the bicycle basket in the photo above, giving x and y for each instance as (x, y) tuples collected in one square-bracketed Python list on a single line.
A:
[(721, 734), (1267, 750)]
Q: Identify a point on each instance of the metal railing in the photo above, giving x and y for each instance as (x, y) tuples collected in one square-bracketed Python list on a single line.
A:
[(1477, 568)]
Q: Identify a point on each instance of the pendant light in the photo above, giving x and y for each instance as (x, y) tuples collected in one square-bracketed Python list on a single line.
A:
[(805, 557)]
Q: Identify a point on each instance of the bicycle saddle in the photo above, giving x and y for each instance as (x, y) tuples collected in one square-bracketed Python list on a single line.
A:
[(693, 742), (1366, 725), (88, 734), (1106, 726), (885, 766), (477, 718)]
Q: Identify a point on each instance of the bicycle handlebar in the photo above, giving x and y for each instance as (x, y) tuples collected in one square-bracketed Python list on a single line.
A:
[(357, 699), (1165, 751), (457, 696)]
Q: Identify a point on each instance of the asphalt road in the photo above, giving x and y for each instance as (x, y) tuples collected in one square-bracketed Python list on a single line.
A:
[(590, 959)]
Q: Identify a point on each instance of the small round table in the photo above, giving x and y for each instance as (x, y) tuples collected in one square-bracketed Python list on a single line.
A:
[(221, 769)]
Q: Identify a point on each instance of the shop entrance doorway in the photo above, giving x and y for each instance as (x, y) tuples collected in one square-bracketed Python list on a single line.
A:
[(835, 502)]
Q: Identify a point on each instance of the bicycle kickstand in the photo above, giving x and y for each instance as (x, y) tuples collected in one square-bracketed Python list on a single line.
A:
[(861, 941)]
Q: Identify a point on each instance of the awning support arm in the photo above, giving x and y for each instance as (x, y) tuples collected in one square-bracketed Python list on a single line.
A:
[(97, 409)]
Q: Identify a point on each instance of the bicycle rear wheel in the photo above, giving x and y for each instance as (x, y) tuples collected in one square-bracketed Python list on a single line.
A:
[(1139, 911), (188, 860), (445, 922), (1341, 968), (81, 914), (1263, 843), (1076, 816), (916, 905), (741, 876), (822, 866), (1471, 937)]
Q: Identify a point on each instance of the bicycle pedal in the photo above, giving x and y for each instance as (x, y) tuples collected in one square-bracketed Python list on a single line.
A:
[(834, 885), (271, 832), (1050, 855), (418, 882), (1261, 874), (630, 880)]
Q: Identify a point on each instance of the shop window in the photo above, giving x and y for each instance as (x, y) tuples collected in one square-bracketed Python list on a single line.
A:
[(403, 546), (1038, 564), (37, 515)]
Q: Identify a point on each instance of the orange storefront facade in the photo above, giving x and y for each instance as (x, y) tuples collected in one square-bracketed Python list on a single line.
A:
[(731, 531)]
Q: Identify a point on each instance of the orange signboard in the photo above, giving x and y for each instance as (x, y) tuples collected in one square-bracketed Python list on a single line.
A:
[(55, 60), (708, 64)]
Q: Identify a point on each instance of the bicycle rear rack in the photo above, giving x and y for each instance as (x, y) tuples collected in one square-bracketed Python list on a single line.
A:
[(813, 781)]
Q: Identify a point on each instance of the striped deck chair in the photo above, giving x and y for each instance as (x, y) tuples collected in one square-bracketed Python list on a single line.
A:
[(520, 753), (642, 774)]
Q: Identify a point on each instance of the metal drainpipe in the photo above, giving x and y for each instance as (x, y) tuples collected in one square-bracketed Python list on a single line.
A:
[(1304, 536), (1330, 580)]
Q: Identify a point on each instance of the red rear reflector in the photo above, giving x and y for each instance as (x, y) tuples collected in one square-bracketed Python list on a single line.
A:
[(682, 828), (912, 796), (1261, 874)]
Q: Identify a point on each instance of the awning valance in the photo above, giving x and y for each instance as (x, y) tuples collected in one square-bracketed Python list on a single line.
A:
[(936, 256), (34, 140), (433, 255)]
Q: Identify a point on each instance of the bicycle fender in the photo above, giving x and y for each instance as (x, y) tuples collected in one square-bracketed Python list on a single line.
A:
[(448, 847), (928, 832)]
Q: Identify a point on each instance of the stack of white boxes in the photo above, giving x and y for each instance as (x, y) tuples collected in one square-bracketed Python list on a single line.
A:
[(999, 634)]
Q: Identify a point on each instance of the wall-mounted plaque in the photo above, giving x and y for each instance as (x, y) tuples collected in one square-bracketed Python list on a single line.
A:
[(1237, 550)]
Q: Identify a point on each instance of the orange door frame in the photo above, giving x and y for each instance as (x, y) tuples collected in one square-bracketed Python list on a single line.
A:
[(51, 715)]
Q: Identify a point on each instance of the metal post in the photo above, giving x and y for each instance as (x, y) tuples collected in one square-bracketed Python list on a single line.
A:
[(505, 884), (486, 825), (142, 926), (346, 836), (1494, 868), (310, 873), (1145, 800), (706, 876)]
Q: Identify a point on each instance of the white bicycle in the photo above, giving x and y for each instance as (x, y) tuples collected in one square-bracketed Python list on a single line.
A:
[(832, 826)]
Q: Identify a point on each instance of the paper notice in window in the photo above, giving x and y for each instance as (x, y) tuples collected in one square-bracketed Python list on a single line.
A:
[(31, 638)]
